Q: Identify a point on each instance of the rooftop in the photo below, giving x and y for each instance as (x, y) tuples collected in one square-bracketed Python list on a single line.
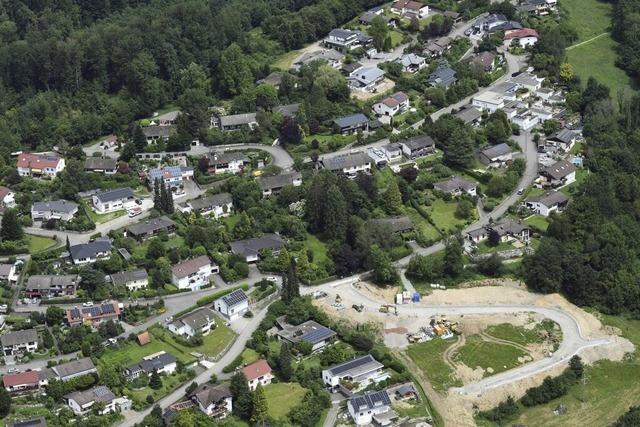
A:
[(74, 367), (355, 367), (21, 378), (100, 163), (207, 393), (345, 161), (278, 181), (187, 268), (19, 337), (252, 246), (453, 184), (497, 151), (197, 318), (352, 120), (256, 370), (42, 281), (209, 201), (96, 394), (309, 331), (113, 195), (125, 277), (370, 400), (90, 249), (37, 161), (61, 206), (234, 298), (549, 198), (150, 226), (395, 223), (560, 169)]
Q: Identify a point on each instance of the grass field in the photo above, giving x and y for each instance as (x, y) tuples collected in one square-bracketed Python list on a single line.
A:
[(581, 175), (317, 247), (281, 397), (478, 352), (538, 221), (588, 17), (38, 243), (212, 344), (132, 353), (168, 384), (421, 224), (99, 219), (140, 250), (608, 391), (443, 214), (516, 334), (429, 358), (285, 61), (484, 247), (249, 355)]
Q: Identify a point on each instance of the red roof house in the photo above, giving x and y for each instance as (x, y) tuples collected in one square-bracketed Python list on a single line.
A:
[(258, 373), (22, 381)]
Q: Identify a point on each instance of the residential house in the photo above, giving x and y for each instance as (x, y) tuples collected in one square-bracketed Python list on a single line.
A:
[(418, 146), (469, 115), (350, 68), (536, 7), (496, 155), (274, 184), (8, 273), (492, 22), (564, 139), (194, 273), (489, 100), (348, 164), (393, 152), (250, 248), (457, 186), (330, 56), (369, 407), (159, 363), (86, 253), (362, 370), (23, 382), (547, 203), (133, 280), (367, 18), (351, 124), (173, 176), (366, 79), (61, 210), (150, 227), (51, 286), (524, 37), (7, 198), (215, 400), (405, 391), (216, 205), (392, 105), (412, 63), (527, 81), (226, 162), (507, 230), (311, 332), (167, 119), (258, 373), (559, 174), (344, 40), (235, 122), (155, 134), (39, 165), (200, 321), (484, 61), (287, 110), (443, 76), (232, 305), (409, 9), (454, 16), (18, 342), (94, 315), (81, 402), (113, 200), (30, 422), (378, 156), (395, 224), (438, 47), (273, 79), (73, 369), (105, 165)]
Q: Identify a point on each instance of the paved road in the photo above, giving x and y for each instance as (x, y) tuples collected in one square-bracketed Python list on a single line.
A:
[(573, 342)]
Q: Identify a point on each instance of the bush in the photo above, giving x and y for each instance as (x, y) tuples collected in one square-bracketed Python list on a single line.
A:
[(150, 399), (233, 365)]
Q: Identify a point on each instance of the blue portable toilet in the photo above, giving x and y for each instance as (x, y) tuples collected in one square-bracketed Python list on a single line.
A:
[(416, 297)]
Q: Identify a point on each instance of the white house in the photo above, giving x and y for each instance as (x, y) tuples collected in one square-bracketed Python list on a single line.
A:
[(133, 280), (524, 37), (258, 373), (274, 184), (17, 342), (490, 101), (171, 175), (113, 200), (81, 402), (392, 105), (559, 174), (547, 203), (418, 146), (349, 164), (496, 155), (365, 408), (87, 253), (527, 81), (412, 63), (226, 162), (365, 79), (7, 198), (232, 305), (39, 165), (194, 273), (200, 321), (362, 370), (311, 332), (235, 122), (457, 186), (217, 205), (56, 209), (160, 363), (410, 9), (215, 400), (393, 152)]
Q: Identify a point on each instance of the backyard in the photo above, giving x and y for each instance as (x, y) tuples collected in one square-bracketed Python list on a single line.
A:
[(132, 352), (538, 222), (443, 214), (38, 243), (100, 218), (212, 344), (282, 397), (169, 383)]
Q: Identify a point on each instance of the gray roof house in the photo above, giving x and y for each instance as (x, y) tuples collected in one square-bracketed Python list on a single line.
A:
[(19, 341), (201, 320), (456, 186), (30, 422), (149, 228), (90, 252), (365, 79), (371, 406), (546, 203), (397, 224), (507, 229), (275, 183), (360, 369), (469, 115), (62, 210), (417, 146), (213, 399), (250, 248), (412, 62), (310, 332), (75, 368), (40, 285), (496, 154), (106, 165), (443, 76), (133, 279), (348, 163), (352, 123), (161, 363), (235, 121), (209, 203), (287, 110), (114, 195), (81, 401)]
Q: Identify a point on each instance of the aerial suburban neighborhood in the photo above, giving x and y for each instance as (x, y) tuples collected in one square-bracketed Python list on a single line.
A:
[(414, 213)]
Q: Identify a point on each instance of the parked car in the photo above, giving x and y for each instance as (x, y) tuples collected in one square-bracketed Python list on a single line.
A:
[(87, 304)]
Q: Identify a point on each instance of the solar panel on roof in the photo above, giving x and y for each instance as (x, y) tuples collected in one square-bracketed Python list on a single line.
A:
[(346, 366), (318, 334), (235, 297), (101, 391)]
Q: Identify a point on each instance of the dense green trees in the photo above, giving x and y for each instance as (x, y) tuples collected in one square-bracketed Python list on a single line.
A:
[(11, 228)]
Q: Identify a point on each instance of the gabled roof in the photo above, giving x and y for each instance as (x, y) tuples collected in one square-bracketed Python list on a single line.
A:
[(355, 367), (368, 75), (207, 394), (19, 337), (157, 131), (443, 76), (149, 365), (220, 199), (96, 394), (235, 298), (563, 135), (113, 195), (249, 247), (309, 331), (42, 281), (338, 163), (559, 169), (418, 142), (187, 268), (411, 59), (30, 422), (111, 309), (238, 119), (21, 378), (507, 226), (395, 223), (75, 367), (150, 226), (61, 206), (170, 116), (287, 110), (520, 33), (125, 277), (341, 33), (352, 120), (197, 318), (4, 191), (256, 370), (37, 161), (370, 400), (278, 181), (469, 114), (453, 184), (168, 172), (395, 99), (100, 163), (497, 150), (549, 199), (89, 250), (274, 79), (225, 157)]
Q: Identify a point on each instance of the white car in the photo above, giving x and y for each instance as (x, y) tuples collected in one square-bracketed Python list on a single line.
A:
[(273, 279), (87, 304)]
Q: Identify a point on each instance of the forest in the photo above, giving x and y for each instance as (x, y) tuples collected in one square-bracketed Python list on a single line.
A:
[(626, 18)]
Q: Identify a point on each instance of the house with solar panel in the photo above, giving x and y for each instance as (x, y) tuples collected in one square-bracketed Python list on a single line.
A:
[(94, 315), (171, 175), (360, 372), (160, 363), (312, 332), (232, 305), (200, 321), (81, 402), (194, 273), (371, 406)]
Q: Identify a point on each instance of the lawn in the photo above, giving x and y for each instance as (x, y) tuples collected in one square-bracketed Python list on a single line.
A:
[(443, 214), (169, 383), (428, 356), (588, 17), (285, 61), (212, 344), (537, 221), (422, 225), (484, 247), (608, 391), (318, 248), (231, 221), (581, 175), (249, 355), (478, 352), (38, 243), (282, 397), (140, 250), (98, 218), (396, 38), (132, 353), (516, 334)]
